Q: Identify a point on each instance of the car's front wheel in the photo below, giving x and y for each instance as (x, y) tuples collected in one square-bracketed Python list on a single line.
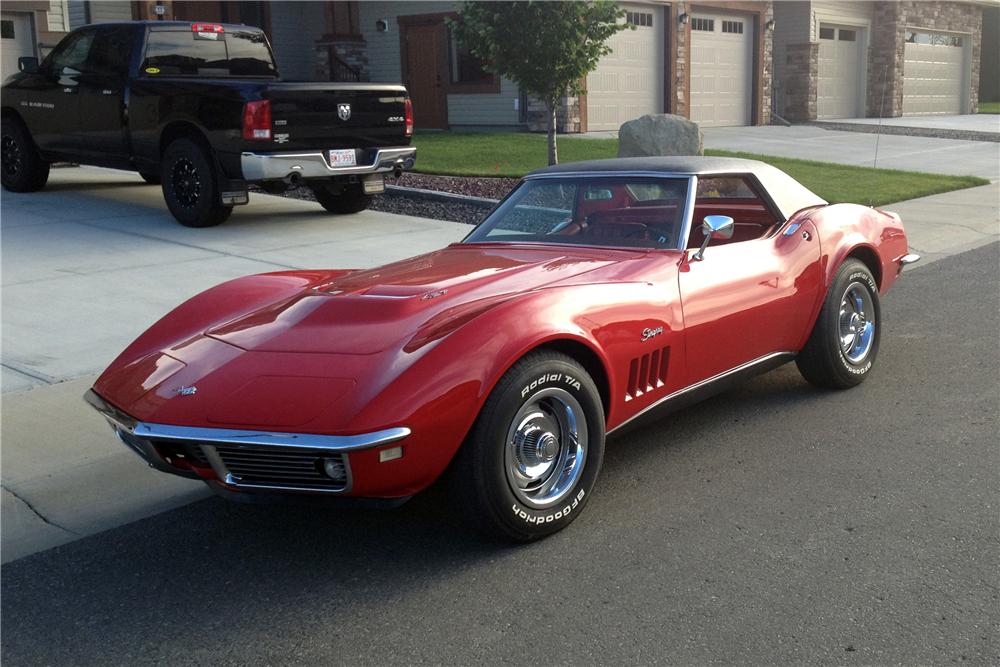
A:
[(22, 169), (347, 199), (531, 460), (844, 342)]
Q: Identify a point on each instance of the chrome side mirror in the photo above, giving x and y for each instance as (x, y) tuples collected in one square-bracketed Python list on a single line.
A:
[(714, 227)]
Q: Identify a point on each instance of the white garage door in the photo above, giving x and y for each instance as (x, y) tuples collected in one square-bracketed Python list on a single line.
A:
[(933, 73), (628, 82), (15, 40), (838, 86), (721, 69)]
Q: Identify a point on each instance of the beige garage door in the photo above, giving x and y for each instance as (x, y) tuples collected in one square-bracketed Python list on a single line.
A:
[(721, 69), (628, 82), (838, 86), (933, 73), (15, 40)]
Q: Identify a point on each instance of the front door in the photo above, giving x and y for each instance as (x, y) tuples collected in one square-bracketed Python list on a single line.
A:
[(425, 49), (100, 133)]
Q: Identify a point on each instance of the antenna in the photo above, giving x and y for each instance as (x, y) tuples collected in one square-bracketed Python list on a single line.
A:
[(878, 131)]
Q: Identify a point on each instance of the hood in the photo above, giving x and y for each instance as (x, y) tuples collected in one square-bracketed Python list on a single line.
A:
[(365, 312)]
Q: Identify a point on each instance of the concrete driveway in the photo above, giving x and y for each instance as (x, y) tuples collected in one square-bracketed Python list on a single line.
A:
[(95, 258), (936, 156)]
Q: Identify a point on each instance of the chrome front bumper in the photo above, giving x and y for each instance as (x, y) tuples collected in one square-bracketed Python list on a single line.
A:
[(276, 166), (243, 459)]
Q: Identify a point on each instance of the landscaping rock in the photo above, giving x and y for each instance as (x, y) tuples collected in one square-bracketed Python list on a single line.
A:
[(659, 134)]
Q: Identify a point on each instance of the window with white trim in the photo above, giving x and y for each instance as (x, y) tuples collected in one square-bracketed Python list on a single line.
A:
[(707, 25), (733, 27)]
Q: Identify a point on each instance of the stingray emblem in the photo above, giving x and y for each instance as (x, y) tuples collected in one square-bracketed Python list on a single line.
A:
[(649, 333), (344, 111), (186, 391)]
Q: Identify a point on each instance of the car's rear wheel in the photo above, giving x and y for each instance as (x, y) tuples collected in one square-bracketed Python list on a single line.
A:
[(530, 462), (342, 199), (22, 170), (844, 343), (190, 186)]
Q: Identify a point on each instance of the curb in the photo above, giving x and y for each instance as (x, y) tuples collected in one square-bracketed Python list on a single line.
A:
[(936, 133), (435, 195)]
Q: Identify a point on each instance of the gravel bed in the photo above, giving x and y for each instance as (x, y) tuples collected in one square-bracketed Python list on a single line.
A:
[(467, 213)]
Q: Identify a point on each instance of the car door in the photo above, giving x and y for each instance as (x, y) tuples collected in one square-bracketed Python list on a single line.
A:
[(52, 94), (100, 134), (752, 296)]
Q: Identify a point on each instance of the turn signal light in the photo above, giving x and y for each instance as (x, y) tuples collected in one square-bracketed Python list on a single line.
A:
[(257, 120), (408, 111)]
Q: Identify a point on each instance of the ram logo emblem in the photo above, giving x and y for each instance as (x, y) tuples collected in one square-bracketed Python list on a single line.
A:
[(344, 111)]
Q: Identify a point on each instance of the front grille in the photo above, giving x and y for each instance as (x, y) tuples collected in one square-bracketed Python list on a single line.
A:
[(284, 468)]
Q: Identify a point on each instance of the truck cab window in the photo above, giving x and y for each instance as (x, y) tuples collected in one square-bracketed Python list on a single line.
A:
[(111, 52), (72, 53)]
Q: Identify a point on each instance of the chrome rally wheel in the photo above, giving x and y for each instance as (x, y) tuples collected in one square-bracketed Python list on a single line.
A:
[(530, 462), (843, 345), (546, 448)]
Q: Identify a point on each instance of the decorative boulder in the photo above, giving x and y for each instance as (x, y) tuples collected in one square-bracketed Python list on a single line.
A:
[(659, 134)]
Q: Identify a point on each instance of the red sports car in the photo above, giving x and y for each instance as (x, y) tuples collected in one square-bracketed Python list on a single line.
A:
[(596, 293)]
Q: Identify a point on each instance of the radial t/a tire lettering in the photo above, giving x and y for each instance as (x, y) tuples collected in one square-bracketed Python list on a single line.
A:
[(21, 169), (190, 186), (844, 343), (529, 465)]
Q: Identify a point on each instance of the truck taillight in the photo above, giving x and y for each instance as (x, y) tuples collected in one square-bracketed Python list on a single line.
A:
[(257, 120), (408, 111), (207, 27)]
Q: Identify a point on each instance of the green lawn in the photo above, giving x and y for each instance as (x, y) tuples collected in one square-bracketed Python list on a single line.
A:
[(989, 107), (515, 154)]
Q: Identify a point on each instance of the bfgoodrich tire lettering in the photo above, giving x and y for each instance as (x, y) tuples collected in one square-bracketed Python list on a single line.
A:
[(531, 460), (844, 343)]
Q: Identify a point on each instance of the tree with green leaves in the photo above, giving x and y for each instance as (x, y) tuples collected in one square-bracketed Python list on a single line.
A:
[(548, 48)]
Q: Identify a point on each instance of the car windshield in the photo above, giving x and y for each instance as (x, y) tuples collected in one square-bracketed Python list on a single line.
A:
[(619, 211)]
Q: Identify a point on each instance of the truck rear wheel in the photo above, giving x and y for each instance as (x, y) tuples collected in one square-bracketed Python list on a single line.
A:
[(23, 169), (348, 199), (190, 187)]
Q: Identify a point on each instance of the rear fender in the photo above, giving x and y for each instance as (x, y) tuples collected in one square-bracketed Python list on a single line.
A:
[(874, 237)]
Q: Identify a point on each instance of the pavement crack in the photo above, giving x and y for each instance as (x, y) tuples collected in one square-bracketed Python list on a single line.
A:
[(34, 511)]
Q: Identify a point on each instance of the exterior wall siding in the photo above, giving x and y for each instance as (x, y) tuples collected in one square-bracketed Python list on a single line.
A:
[(385, 65), (295, 27), (77, 10)]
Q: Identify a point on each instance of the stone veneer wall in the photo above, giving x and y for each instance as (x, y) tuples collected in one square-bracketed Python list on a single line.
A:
[(567, 116), (801, 73), (353, 52), (885, 58)]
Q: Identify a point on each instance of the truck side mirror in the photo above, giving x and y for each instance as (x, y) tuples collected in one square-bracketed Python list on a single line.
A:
[(27, 64)]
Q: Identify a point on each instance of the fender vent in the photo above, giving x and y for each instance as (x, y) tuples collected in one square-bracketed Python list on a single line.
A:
[(647, 373)]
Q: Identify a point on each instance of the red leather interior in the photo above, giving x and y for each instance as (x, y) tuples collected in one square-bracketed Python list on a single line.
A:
[(752, 219)]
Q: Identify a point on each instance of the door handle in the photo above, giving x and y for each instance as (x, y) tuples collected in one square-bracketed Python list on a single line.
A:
[(69, 90), (107, 91)]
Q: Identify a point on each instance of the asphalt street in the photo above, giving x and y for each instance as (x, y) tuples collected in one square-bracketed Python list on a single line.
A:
[(772, 524)]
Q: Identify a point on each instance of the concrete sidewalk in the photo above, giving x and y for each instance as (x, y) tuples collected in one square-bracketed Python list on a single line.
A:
[(86, 269)]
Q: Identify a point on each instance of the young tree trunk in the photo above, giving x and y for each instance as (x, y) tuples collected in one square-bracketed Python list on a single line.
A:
[(550, 106)]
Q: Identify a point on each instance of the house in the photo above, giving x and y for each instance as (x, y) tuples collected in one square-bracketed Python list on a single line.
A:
[(29, 28), (850, 59), (718, 62)]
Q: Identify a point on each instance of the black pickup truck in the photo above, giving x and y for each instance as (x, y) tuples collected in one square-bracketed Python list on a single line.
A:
[(201, 109)]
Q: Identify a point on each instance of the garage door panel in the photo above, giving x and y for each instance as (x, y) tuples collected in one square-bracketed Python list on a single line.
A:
[(838, 82), (628, 82), (16, 41), (721, 69), (933, 73)]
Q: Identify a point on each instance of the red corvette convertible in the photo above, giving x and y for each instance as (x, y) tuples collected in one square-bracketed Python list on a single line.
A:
[(595, 294)]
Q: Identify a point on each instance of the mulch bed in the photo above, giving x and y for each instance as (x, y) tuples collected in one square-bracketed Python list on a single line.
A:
[(468, 213)]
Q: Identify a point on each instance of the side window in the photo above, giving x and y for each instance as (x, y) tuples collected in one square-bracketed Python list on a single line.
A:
[(732, 196), (111, 51), (71, 53)]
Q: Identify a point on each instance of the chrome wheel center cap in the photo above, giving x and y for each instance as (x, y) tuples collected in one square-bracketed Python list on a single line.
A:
[(547, 447)]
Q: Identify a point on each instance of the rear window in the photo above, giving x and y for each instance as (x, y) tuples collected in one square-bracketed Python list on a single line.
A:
[(188, 53)]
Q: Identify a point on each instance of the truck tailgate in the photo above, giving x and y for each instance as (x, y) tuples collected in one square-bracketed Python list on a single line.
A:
[(310, 116)]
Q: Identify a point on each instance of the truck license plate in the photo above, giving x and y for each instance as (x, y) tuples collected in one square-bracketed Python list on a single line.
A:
[(343, 158)]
